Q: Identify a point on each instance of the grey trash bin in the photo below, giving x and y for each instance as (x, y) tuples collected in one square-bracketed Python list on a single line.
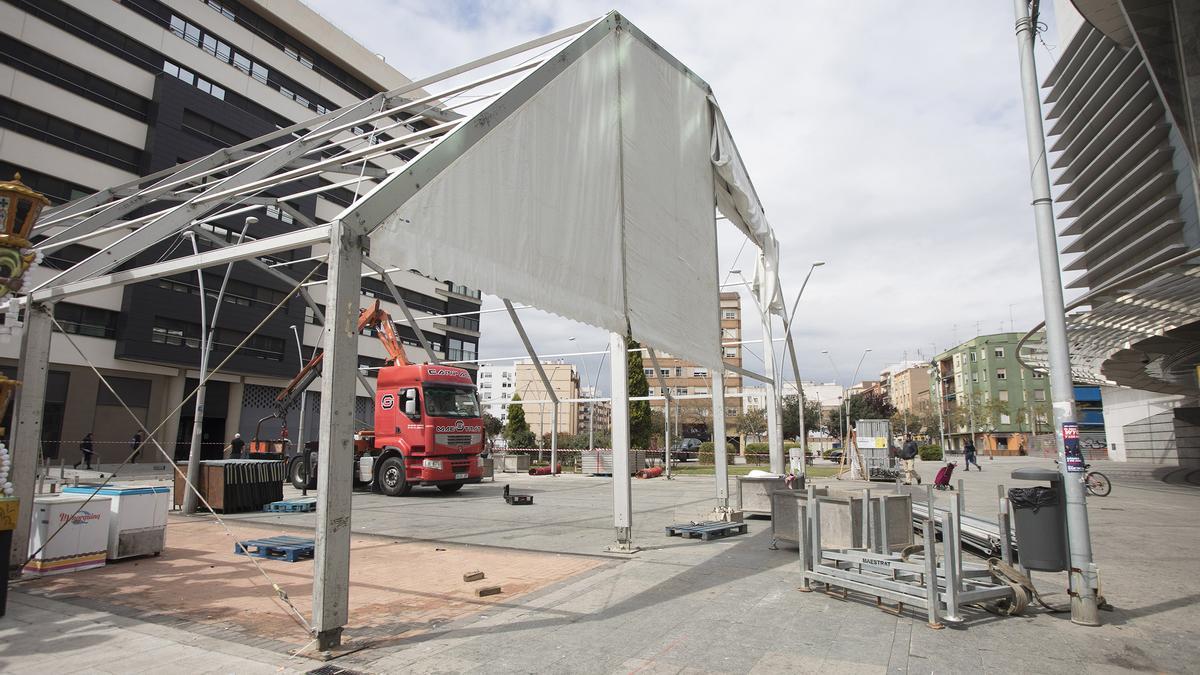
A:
[(1040, 518)]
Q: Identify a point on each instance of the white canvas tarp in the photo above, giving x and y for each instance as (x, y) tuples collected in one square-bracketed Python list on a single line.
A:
[(593, 200)]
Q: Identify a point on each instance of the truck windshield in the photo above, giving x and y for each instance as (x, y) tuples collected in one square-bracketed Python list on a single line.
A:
[(451, 402)]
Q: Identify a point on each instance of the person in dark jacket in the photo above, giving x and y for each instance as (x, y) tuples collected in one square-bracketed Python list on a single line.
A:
[(970, 457), (135, 446), (87, 447), (908, 455), (236, 446)]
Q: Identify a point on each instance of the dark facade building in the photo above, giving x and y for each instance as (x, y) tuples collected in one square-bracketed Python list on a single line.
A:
[(94, 94)]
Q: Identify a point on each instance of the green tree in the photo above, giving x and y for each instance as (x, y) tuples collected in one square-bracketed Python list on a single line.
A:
[(640, 424), (492, 427), (868, 405), (753, 422), (516, 431), (791, 416)]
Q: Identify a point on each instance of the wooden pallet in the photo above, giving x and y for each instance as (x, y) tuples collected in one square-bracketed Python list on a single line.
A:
[(301, 505), (287, 548), (706, 530)]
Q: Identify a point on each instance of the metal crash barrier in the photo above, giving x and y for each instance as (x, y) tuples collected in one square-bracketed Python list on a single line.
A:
[(914, 577)]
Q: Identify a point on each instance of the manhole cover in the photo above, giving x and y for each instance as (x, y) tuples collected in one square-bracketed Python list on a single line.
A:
[(333, 670)]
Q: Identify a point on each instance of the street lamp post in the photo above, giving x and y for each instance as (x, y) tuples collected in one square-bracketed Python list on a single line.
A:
[(790, 321), (1083, 575)]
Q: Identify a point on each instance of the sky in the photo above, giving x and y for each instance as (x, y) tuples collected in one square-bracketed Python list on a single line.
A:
[(887, 142)]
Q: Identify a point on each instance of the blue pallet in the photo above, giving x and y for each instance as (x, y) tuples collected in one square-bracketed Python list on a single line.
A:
[(284, 547), (302, 505)]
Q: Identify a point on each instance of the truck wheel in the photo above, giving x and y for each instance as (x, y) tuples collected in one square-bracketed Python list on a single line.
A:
[(391, 477), (450, 489), (297, 477)]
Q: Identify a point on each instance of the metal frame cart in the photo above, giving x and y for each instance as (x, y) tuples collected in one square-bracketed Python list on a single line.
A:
[(915, 577)]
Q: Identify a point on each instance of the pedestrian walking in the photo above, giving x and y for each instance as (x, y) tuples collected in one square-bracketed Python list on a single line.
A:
[(135, 446), (87, 447), (236, 447), (908, 455), (970, 457)]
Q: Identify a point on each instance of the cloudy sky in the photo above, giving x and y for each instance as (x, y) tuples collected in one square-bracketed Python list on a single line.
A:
[(885, 140)]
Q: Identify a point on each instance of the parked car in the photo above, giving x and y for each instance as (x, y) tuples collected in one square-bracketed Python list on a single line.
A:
[(688, 448)]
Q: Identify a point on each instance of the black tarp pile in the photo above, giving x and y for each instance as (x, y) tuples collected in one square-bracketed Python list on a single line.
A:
[(250, 484)]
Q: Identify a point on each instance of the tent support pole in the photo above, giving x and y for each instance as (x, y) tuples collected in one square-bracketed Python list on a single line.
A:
[(537, 363), (331, 564), (666, 411), (622, 486), (719, 452), (33, 371)]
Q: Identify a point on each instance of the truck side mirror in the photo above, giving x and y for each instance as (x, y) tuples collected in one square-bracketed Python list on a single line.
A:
[(410, 404)]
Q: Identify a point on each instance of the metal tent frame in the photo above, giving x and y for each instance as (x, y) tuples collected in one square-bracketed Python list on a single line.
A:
[(385, 148)]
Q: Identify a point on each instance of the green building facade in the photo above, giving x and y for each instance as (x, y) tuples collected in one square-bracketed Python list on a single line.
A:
[(987, 395)]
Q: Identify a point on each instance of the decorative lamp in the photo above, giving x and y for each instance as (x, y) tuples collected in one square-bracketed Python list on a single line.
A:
[(20, 207)]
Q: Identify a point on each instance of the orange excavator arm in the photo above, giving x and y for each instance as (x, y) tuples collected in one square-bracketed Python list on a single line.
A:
[(373, 317)]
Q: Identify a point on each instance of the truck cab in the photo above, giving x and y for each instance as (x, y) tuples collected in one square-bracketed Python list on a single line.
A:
[(428, 430)]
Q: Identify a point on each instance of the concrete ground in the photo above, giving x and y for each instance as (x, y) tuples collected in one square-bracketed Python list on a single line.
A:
[(722, 606)]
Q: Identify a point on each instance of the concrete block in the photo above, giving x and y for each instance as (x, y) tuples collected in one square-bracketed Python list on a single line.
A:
[(487, 590), (473, 576)]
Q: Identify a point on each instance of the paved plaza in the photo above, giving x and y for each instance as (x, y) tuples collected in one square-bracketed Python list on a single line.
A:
[(728, 605)]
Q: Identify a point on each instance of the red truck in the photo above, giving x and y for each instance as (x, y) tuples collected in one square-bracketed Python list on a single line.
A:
[(428, 430)]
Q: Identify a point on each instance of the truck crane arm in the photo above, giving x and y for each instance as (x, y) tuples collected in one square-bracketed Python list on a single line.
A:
[(374, 318)]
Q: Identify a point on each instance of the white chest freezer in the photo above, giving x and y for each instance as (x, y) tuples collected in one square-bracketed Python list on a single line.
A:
[(81, 544), (138, 518)]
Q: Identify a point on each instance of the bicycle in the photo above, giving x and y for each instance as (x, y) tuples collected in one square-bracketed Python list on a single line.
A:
[(1096, 483)]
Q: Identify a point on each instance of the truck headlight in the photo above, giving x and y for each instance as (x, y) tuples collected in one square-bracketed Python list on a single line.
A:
[(435, 464)]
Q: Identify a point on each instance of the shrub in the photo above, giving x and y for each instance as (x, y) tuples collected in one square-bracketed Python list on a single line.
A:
[(707, 454), (522, 439), (757, 448), (930, 452)]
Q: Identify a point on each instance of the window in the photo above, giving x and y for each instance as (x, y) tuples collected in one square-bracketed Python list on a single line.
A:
[(998, 352), (982, 354), (1037, 375), (665, 372), (729, 333), (221, 9), (83, 320), (175, 333), (700, 390), (730, 352), (974, 377), (1005, 419), (648, 371), (681, 391), (973, 357), (279, 214), (1001, 374), (732, 412), (465, 322), (729, 314), (699, 372), (460, 350), (1003, 394), (1039, 394), (242, 63), (678, 371)]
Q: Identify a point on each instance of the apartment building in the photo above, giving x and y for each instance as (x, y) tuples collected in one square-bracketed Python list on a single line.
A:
[(564, 380), (94, 94), (497, 384), (906, 385), (988, 396), (691, 417), (595, 414)]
